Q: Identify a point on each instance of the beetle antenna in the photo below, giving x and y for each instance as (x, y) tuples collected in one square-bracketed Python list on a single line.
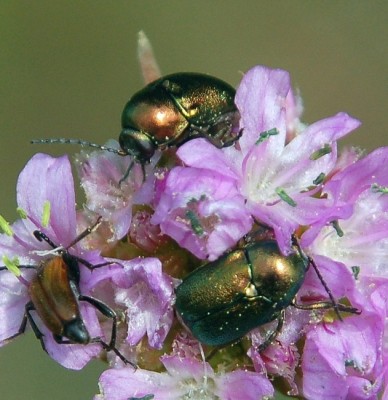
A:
[(86, 232), (78, 142), (43, 237), (335, 304)]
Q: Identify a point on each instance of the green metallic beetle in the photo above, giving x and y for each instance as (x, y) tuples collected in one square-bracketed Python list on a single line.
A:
[(223, 300), (169, 112)]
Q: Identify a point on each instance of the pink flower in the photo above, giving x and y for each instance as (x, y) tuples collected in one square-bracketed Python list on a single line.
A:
[(44, 180), (184, 378), (282, 180), (277, 181)]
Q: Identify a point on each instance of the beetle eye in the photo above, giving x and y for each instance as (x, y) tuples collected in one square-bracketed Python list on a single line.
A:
[(138, 144)]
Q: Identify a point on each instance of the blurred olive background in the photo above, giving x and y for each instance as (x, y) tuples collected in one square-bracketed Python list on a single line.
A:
[(68, 68)]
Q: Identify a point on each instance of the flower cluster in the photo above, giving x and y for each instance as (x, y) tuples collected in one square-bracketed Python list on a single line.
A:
[(281, 174)]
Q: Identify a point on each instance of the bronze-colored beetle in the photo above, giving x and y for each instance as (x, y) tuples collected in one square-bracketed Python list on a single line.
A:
[(175, 109), (172, 110)]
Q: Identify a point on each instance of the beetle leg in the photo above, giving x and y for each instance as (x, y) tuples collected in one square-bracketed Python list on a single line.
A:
[(323, 305), (258, 233), (125, 176), (272, 336), (204, 132), (334, 303), (61, 340), (22, 327), (223, 132), (105, 310), (107, 347), (109, 313), (28, 317), (91, 266)]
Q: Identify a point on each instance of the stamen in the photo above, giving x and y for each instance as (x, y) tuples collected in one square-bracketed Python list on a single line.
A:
[(379, 189), (326, 149), (46, 213), (356, 271), (336, 226), (285, 197), (22, 213), (194, 222), (319, 179), (266, 134), (5, 227), (12, 265)]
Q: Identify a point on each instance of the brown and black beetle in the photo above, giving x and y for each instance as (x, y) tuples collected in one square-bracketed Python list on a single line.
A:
[(55, 296)]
